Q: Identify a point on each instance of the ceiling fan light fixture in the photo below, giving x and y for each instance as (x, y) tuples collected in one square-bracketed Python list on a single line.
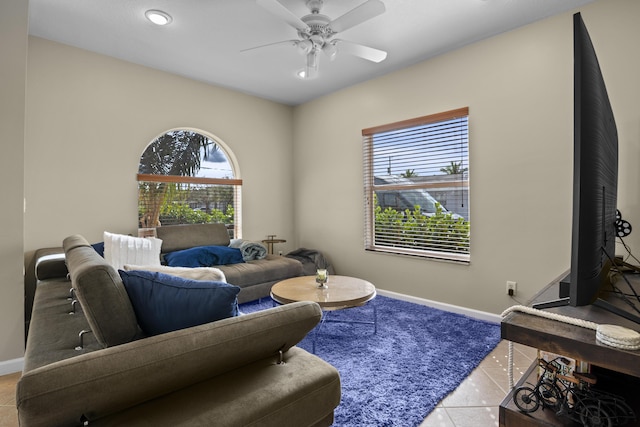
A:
[(310, 71), (158, 17), (331, 50), (312, 60), (304, 46)]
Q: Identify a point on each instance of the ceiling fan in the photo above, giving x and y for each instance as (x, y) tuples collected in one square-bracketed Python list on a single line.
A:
[(317, 32)]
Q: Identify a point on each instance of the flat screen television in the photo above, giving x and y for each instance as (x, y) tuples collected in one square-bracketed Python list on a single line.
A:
[(595, 182)]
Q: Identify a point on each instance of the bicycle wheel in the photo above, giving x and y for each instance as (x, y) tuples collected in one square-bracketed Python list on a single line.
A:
[(526, 399), (618, 409), (550, 395), (621, 413), (593, 414)]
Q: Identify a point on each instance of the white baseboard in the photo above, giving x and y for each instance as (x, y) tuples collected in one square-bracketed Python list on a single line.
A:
[(476, 314), (11, 366)]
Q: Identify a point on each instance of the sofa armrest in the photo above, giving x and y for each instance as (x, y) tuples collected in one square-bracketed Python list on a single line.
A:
[(50, 263), (102, 382)]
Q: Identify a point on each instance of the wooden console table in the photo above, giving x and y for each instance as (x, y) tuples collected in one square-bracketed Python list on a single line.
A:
[(575, 342)]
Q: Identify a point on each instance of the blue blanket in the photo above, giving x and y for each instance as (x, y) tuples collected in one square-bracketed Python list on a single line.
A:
[(204, 256)]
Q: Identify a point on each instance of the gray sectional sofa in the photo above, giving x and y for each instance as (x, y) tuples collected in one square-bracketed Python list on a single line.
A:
[(240, 371), (255, 278)]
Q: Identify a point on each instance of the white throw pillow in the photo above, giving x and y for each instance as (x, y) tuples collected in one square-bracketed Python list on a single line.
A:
[(120, 249), (210, 274)]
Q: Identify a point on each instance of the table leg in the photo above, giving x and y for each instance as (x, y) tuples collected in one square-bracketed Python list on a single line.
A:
[(325, 315), (323, 318)]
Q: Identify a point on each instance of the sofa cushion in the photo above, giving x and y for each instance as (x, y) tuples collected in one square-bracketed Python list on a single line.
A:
[(120, 249), (102, 295), (272, 268), (165, 303), (302, 391), (53, 333), (178, 237), (204, 256), (193, 273)]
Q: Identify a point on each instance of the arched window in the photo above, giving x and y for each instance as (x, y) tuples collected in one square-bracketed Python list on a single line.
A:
[(186, 176)]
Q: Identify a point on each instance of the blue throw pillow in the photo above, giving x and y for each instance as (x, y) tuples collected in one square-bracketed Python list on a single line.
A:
[(165, 303), (99, 247), (204, 256)]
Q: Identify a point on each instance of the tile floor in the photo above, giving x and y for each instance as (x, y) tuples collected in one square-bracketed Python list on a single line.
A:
[(475, 402)]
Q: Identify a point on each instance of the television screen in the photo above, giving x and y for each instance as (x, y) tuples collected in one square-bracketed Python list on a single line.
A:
[(595, 175), (595, 184)]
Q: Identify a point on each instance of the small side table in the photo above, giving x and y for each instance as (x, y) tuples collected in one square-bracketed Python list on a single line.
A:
[(270, 241)]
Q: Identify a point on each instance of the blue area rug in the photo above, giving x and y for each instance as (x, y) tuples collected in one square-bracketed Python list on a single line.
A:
[(397, 376)]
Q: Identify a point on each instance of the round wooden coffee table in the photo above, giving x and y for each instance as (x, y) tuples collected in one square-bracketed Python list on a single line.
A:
[(342, 292)]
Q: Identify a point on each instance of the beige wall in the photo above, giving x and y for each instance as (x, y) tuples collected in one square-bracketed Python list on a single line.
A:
[(13, 51), (90, 117), (518, 87)]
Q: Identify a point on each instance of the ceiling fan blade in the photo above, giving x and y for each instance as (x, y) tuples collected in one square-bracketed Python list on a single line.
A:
[(289, 42), (365, 52), (276, 8), (362, 13)]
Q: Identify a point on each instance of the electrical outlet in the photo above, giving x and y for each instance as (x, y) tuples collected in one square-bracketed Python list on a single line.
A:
[(511, 288)]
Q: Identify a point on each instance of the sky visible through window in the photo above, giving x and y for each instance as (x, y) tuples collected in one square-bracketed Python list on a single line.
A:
[(424, 149), (216, 166)]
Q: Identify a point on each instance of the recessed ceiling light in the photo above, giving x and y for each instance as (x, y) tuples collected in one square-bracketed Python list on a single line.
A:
[(158, 17)]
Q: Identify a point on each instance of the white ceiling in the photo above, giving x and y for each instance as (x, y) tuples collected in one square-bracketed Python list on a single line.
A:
[(205, 39)]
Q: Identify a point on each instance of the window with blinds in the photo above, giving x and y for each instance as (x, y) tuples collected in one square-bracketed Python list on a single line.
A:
[(185, 177), (416, 186)]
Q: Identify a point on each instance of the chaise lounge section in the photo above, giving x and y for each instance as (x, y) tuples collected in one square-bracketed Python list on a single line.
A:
[(254, 277)]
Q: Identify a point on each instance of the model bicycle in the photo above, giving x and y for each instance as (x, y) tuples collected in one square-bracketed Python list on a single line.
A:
[(572, 397)]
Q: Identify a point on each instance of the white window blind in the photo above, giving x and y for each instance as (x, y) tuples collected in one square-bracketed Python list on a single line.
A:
[(416, 186), (177, 200)]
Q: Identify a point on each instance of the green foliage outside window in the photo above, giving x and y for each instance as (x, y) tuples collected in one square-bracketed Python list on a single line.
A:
[(189, 204), (182, 214), (414, 230)]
